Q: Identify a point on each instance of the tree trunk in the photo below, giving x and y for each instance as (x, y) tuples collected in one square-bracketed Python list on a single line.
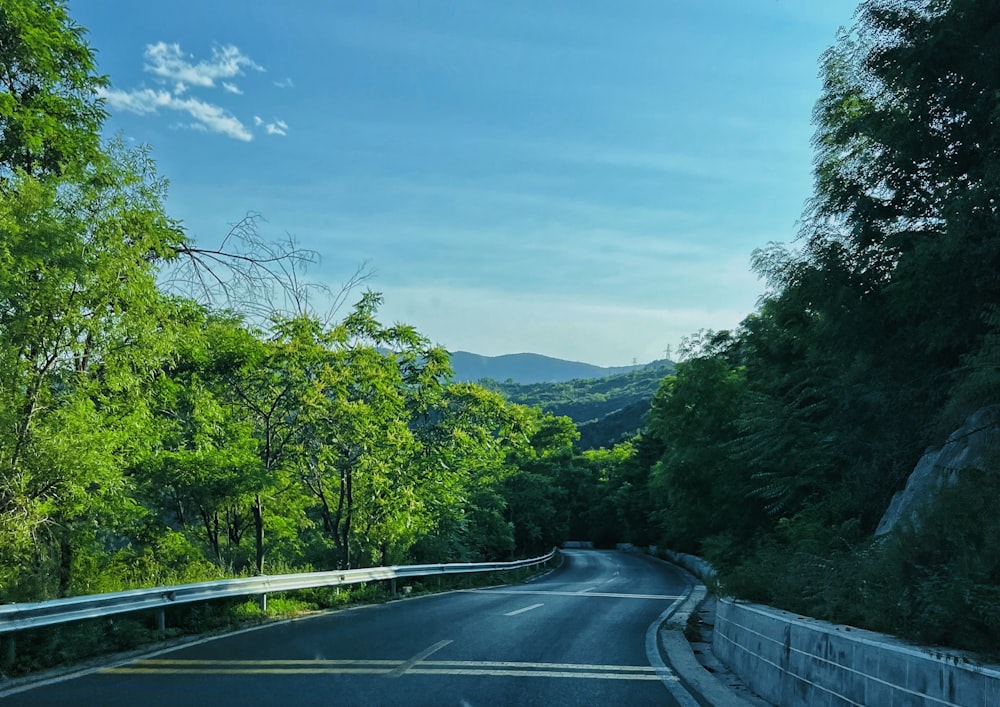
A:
[(65, 566), (258, 524), (211, 521)]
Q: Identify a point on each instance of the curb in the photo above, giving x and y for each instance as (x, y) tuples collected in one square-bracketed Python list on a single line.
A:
[(695, 685), (701, 684)]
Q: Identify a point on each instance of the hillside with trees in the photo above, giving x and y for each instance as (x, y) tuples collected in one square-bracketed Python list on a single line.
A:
[(526, 368), (606, 410), (776, 447)]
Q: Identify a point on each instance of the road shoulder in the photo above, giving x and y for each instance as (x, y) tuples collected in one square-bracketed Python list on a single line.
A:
[(685, 639)]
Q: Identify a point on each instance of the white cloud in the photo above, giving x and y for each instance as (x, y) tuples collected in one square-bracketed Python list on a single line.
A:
[(278, 127), (207, 116), (180, 73), (285, 83), (169, 62)]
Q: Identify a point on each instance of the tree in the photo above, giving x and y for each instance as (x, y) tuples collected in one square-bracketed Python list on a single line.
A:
[(536, 502), (203, 468), (50, 106), (589, 488), (466, 442), (701, 486), (83, 329), (360, 458), (907, 173)]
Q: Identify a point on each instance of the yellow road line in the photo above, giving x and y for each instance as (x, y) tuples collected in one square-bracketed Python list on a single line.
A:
[(437, 663), (559, 666), (318, 661), (389, 668), (129, 670), (398, 672), (418, 670)]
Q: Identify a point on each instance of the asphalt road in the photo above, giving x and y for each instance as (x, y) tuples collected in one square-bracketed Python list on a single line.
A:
[(577, 636)]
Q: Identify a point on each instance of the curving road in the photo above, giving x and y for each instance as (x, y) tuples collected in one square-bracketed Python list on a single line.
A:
[(576, 636)]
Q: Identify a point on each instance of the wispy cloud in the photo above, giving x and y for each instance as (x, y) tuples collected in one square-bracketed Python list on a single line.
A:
[(284, 83), (169, 62), (278, 127), (178, 72), (207, 116)]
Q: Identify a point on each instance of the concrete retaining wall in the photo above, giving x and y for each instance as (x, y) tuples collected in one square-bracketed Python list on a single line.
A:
[(692, 563), (791, 660)]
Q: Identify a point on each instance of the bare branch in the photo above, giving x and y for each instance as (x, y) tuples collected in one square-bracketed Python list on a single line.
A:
[(256, 278)]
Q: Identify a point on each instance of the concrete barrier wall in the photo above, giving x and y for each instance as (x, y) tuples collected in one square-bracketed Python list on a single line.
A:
[(791, 660), (692, 563)]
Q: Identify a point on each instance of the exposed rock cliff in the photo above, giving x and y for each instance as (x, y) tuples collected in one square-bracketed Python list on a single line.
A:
[(967, 447)]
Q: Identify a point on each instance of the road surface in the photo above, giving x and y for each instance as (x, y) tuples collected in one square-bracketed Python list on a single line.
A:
[(576, 636)]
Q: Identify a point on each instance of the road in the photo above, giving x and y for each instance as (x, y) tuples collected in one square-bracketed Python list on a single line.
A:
[(576, 636)]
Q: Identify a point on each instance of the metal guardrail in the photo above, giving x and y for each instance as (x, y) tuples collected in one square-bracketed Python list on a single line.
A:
[(18, 617)]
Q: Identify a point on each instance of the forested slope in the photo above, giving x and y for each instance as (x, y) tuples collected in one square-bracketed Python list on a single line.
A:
[(777, 446), (606, 410), (525, 368)]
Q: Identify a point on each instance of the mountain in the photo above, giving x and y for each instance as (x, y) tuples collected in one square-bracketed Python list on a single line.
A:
[(606, 410), (526, 368)]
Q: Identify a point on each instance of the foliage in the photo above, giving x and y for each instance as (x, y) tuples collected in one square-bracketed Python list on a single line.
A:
[(50, 111), (83, 331)]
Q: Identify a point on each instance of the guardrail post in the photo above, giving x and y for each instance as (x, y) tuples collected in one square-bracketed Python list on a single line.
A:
[(394, 586), (161, 620), (263, 603)]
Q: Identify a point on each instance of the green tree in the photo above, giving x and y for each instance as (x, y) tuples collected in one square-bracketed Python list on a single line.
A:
[(701, 486), (593, 492), (907, 173), (466, 445), (203, 469), (536, 502), (50, 107), (83, 330)]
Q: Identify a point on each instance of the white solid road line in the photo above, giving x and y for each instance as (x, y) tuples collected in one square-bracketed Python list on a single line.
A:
[(521, 611), (578, 595)]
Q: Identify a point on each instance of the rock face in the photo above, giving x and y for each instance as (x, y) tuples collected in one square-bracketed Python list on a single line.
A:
[(939, 467)]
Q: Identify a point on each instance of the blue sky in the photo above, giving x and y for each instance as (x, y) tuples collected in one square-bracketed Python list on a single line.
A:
[(578, 178)]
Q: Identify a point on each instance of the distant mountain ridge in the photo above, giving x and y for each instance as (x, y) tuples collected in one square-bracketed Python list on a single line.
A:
[(527, 368), (606, 410)]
